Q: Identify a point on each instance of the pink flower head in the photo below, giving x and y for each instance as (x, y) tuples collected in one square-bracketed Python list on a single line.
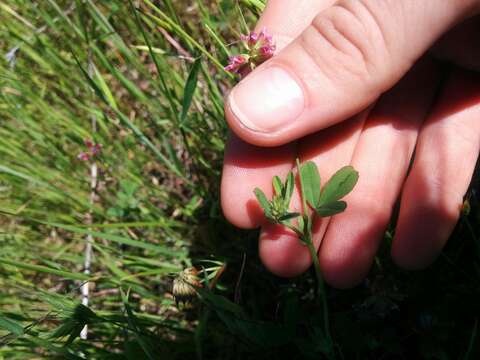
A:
[(267, 51), (258, 47), (265, 36), (267, 46), (235, 63), (92, 150), (250, 39)]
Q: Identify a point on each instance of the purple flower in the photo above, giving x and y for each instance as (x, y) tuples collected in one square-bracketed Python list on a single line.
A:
[(250, 39), (267, 46), (96, 149), (258, 47), (267, 51), (235, 63), (92, 150), (267, 38), (83, 156)]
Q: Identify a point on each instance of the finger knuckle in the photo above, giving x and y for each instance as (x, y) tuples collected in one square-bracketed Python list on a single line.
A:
[(348, 39)]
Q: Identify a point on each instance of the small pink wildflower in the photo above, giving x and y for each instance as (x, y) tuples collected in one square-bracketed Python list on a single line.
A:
[(267, 51), (251, 39), (92, 150), (266, 36), (267, 46), (258, 47), (83, 156), (235, 63)]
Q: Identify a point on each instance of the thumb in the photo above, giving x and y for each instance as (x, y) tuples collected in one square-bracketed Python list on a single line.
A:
[(349, 54)]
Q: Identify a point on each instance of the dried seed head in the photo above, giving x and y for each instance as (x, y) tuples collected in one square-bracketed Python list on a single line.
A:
[(184, 284)]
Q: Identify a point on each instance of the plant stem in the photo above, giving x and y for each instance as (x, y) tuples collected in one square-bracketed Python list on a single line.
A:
[(307, 239), (320, 286), (85, 288)]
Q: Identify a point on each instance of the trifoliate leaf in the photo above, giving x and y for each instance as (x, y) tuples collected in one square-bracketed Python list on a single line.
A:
[(339, 185)]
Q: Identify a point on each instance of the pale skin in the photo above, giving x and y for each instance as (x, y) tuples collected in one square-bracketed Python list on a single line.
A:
[(360, 82)]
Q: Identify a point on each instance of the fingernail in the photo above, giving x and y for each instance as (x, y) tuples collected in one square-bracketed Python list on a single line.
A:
[(267, 100)]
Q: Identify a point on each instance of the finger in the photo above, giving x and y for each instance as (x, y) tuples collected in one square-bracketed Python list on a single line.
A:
[(285, 20), (445, 157), (246, 167), (350, 54), (381, 157), (280, 250)]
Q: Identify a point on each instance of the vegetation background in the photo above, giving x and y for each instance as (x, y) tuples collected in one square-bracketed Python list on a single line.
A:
[(145, 79)]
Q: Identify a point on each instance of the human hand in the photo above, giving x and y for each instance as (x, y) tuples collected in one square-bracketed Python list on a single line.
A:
[(333, 63)]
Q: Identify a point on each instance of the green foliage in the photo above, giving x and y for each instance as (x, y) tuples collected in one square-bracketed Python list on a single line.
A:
[(331, 208), (73, 325), (190, 87), (70, 62), (339, 185), (264, 203), (126, 201), (11, 326), (276, 210), (151, 75), (325, 203), (133, 324)]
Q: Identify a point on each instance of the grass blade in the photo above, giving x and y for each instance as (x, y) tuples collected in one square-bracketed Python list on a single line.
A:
[(189, 90)]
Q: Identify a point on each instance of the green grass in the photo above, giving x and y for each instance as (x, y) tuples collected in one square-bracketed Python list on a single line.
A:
[(151, 80)]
